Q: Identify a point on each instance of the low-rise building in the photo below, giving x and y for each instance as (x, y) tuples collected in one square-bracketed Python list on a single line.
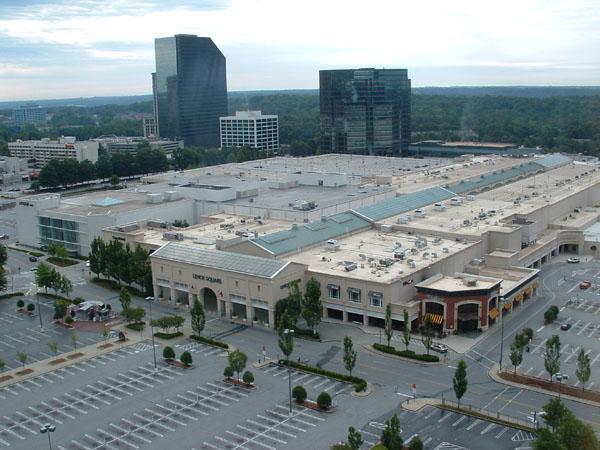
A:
[(44, 150), (116, 144), (252, 129), (29, 115)]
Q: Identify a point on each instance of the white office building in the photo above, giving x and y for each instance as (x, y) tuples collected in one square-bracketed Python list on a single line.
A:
[(127, 144), (250, 128), (46, 149), (150, 127)]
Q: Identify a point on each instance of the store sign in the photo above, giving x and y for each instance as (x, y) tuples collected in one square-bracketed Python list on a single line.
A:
[(207, 278)]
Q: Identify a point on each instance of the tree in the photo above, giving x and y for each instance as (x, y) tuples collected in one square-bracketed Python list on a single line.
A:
[(552, 356), (168, 353), (584, 368), (406, 330), (286, 337), (74, 341), (186, 358), (248, 377), (198, 318), (516, 355), (228, 372), (390, 437), (355, 440), (97, 256), (324, 400), (60, 309), (65, 285), (349, 355), (387, 327), (124, 299), (53, 346), (3, 279), (3, 255), (139, 265), (2, 365), (555, 412), (30, 307), (299, 393), (22, 357), (20, 303), (415, 444), (43, 276), (59, 251), (312, 308), (237, 361), (114, 180), (573, 433), (106, 331), (547, 440), (459, 381), (135, 315), (427, 333)]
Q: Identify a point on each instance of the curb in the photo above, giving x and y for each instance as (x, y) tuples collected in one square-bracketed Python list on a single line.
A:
[(370, 389), (493, 374), (389, 355)]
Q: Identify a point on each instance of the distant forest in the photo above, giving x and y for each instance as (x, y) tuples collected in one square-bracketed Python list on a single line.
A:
[(556, 118)]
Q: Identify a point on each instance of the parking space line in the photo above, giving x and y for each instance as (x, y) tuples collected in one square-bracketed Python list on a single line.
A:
[(488, 428), (474, 424), (278, 431), (143, 427), (233, 444), (459, 420), (504, 430), (572, 354), (583, 329), (445, 416)]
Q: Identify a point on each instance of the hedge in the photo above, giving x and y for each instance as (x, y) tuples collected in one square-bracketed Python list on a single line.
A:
[(359, 383), (15, 294), (36, 254), (301, 332), (161, 335), (406, 353), (55, 296), (210, 341), (138, 326)]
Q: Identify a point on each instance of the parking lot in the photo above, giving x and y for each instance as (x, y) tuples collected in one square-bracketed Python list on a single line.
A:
[(439, 429), (580, 309), (22, 333)]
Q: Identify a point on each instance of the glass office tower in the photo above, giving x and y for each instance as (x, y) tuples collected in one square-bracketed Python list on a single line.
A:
[(190, 89), (365, 111)]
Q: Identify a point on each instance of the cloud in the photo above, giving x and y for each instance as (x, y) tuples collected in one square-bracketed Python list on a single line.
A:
[(279, 43)]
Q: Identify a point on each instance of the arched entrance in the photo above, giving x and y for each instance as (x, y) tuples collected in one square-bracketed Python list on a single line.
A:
[(209, 300), (467, 317)]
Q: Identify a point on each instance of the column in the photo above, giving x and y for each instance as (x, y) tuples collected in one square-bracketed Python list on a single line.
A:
[(173, 294), (155, 290), (345, 316), (227, 309), (219, 308), (249, 313), (271, 318)]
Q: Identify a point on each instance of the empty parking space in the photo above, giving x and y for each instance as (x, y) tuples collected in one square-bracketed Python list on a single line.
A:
[(271, 429), (314, 384)]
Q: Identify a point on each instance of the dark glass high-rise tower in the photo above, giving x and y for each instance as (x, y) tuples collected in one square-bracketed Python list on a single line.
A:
[(190, 89), (365, 111)]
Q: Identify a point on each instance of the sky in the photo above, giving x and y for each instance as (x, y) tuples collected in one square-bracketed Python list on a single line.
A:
[(84, 48)]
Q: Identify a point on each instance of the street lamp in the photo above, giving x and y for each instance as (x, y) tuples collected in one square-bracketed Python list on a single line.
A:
[(150, 300), (37, 297), (501, 304), (289, 335), (47, 429)]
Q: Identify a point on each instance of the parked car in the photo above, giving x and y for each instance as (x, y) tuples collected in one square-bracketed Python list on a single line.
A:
[(4, 236), (32, 259), (440, 348), (573, 260), (585, 284), (565, 326)]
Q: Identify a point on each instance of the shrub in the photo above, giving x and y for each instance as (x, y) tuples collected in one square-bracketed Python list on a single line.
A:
[(248, 377), (359, 383), (406, 353), (186, 358), (121, 336), (139, 326), (306, 333), (162, 335), (168, 353), (415, 444), (324, 400), (551, 314), (69, 320), (299, 393), (30, 307), (78, 300), (209, 341), (20, 303), (528, 332), (228, 372)]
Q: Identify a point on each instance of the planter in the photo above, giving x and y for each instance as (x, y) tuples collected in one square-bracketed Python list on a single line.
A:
[(313, 405), (24, 372), (103, 346), (240, 383), (176, 363), (54, 362)]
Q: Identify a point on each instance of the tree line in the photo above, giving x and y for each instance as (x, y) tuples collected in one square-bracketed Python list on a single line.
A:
[(117, 261)]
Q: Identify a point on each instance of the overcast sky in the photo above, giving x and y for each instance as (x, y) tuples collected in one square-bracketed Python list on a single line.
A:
[(73, 48)]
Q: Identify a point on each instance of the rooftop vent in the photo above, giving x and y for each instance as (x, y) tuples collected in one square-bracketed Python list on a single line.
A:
[(350, 266), (471, 282)]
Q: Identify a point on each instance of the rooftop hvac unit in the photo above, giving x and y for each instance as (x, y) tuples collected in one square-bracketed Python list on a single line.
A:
[(399, 253), (155, 197), (445, 250), (434, 255), (403, 219), (386, 228), (172, 236), (455, 201), (349, 266), (419, 213), (412, 264), (471, 282), (470, 198), (332, 245), (439, 207), (171, 196)]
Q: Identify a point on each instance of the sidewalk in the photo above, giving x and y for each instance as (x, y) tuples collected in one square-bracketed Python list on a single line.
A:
[(493, 373), (66, 359)]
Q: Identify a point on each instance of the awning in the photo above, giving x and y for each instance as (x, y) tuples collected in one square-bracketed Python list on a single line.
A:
[(528, 290), (493, 313), (536, 284), (518, 297), (507, 306), (436, 319)]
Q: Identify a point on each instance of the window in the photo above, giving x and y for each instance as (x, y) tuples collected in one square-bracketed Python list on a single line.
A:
[(354, 295), (376, 299), (334, 291), (237, 284), (258, 288)]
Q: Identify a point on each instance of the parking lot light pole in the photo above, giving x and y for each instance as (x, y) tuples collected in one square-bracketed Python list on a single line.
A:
[(287, 332), (37, 297), (150, 300), (501, 304), (47, 429)]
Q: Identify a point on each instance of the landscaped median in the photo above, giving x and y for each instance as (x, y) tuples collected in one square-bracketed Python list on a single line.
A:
[(406, 353), (209, 341), (360, 384)]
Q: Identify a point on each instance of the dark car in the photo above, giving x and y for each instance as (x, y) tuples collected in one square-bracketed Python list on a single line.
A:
[(565, 326), (32, 259)]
